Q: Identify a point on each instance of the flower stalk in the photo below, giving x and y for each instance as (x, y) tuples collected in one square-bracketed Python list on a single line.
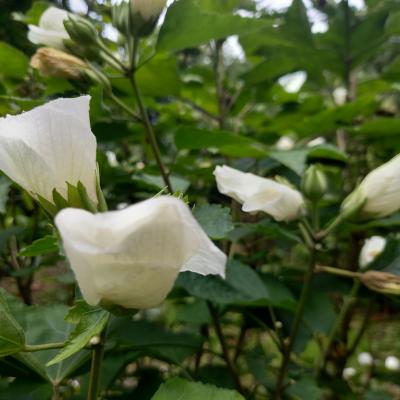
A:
[(146, 122), (280, 386), (95, 370)]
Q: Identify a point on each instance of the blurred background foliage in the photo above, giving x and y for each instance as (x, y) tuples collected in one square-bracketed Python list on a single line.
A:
[(224, 81)]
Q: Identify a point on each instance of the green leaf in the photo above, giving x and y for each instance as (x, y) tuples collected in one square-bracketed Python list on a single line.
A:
[(379, 127), (177, 388), (227, 143), (186, 25), (293, 159), (12, 336), (91, 323), (327, 152), (151, 339), (242, 286), (214, 219), (159, 77), (25, 389), (178, 183), (45, 245), (17, 62), (305, 388)]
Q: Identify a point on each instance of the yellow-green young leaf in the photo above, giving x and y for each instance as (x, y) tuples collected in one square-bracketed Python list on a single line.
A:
[(92, 321), (12, 336), (177, 388)]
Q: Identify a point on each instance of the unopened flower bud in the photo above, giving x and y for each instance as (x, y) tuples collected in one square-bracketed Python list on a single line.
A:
[(98, 78), (314, 183), (95, 340), (81, 31), (381, 282), (144, 16), (58, 64), (148, 9)]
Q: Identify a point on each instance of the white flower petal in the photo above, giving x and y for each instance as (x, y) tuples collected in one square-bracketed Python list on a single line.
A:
[(259, 194), (149, 8), (381, 187), (53, 19), (371, 249), (41, 36), (51, 31), (132, 257), (50, 145)]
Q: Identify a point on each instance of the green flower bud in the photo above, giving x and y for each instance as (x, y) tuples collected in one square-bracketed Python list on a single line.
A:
[(97, 78), (121, 17), (82, 31), (314, 184)]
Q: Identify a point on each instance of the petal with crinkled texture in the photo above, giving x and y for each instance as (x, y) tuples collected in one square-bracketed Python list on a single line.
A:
[(51, 31), (48, 146), (132, 257), (259, 194)]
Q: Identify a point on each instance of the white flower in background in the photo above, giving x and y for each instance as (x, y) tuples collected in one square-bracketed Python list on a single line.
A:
[(285, 143), (43, 149), (371, 249), (392, 363), (365, 359), (131, 258), (51, 31), (259, 194), (381, 189), (318, 141), (340, 96), (349, 372), (148, 9)]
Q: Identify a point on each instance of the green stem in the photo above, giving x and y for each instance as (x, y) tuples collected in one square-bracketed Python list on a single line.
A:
[(95, 370), (225, 350), (41, 347), (337, 271), (147, 124), (296, 326), (122, 105), (332, 226), (338, 323)]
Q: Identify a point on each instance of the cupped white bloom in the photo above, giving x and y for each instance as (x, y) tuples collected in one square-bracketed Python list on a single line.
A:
[(285, 143), (371, 249), (51, 31), (365, 359), (260, 194), (392, 363), (131, 258), (381, 189), (148, 9), (51, 145)]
